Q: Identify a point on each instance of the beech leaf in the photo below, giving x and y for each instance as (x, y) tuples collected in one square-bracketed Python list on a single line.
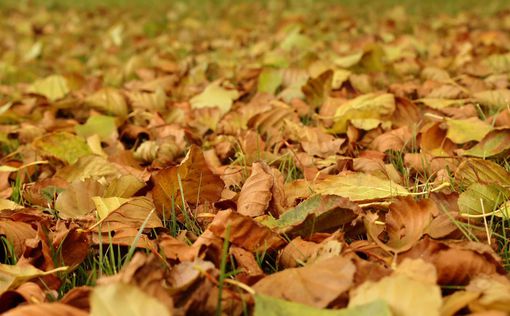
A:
[(366, 107), (359, 187), (215, 95), (53, 87), (269, 306)]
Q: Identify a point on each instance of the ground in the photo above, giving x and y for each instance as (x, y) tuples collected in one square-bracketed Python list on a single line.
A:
[(254, 157)]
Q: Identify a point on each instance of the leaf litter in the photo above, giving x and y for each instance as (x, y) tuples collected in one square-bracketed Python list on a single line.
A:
[(225, 159)]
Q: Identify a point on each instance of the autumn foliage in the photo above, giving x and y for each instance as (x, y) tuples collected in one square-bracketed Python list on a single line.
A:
[(245, 161)]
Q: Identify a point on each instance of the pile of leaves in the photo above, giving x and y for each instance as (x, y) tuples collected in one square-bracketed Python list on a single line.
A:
[(253, 159)]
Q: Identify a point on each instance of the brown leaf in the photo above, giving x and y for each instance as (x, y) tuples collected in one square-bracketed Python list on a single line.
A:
[(244, 232), (456, 263), (198, 182), (405, 224), (317, 284), (78, 297), (147, 273), (74, 247), (246, 261), (49, 309), (495, 293), (301, 252), (175, 249), (397, 139), (28, 293), (133, 213), (76, 200), (256, 192), (16, 233)]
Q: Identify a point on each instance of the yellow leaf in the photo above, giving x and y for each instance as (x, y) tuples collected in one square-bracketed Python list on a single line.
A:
[(369, 106), (12, 276), (120, 299), (463, 131), (498, 99), (53, 87), (105, 206), (407, 296), (108, 100), (215, 95)]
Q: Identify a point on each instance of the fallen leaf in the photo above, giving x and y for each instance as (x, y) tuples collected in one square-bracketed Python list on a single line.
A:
[(76, 200), (53, 87), (494, 290), (62, 145), (104, 206), (482, 171), (270, 80), (494, 143), (198, 183), (269, 306), (50, 309), (87, 167), (316, 285), (406, 222), (215, 95), (463, 131), (316, 90), (481, 199), (359, 187), (255, 194), (102, 125), (319, 213), (244, 232), (456, 262), (12, 276), (130, 301), (496, 99), (405, 295), (109, 101), (366, 107), (16, 233)]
